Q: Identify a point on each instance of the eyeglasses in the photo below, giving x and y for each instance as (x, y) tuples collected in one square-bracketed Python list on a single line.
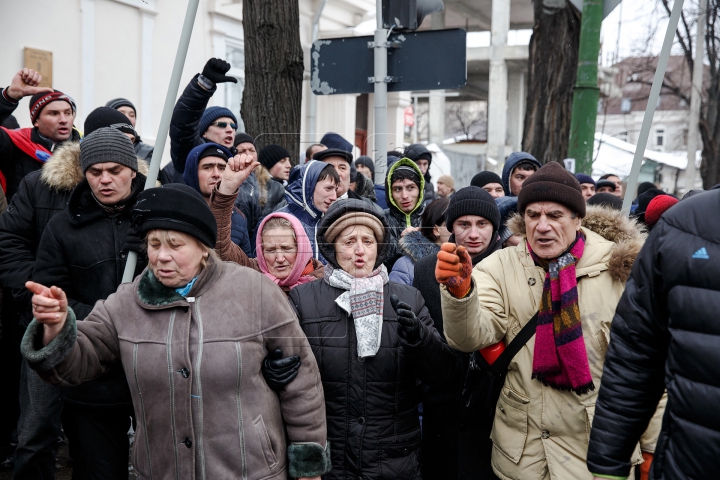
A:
[(225, 124)]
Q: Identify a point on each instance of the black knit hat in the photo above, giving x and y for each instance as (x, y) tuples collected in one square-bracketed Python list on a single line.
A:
[(107, 117), (175, 206), (552, 183), (605, 183), (272, 154), (472, 201), (333, 152), (607, 200), (243, 138), (644, 200), (116, 103), (107, 144), (483, 178), (368, 162)]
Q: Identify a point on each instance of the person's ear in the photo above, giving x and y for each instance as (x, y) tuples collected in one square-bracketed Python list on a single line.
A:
[(134, 174), (436, 232)]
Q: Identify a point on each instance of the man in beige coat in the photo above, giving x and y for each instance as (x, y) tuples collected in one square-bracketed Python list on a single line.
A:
[(543, 416)]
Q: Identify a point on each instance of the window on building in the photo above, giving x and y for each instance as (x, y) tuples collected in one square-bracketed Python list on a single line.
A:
[(235, 56), (660, 137), (625, 105), (623, 136)]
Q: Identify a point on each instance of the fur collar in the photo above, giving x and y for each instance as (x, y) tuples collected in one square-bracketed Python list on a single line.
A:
[(263, 177), (627, 234), (417, 246), (154, 293), (62, 171)]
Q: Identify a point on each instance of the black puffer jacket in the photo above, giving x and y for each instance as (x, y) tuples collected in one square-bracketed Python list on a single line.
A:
[(82, 253), (39, 197), (371, 405), (665, 334), (14, 163)]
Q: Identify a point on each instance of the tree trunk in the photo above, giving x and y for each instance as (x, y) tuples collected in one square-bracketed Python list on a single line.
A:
[(273, 73), (552, 70)]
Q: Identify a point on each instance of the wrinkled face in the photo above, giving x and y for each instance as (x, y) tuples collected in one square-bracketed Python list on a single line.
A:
[(618, 186), (175, 258), (443, 190), (356, 250), (325, 194), (495, 190), (551, 228), (442, 234), (210, 170), (110, 182), (517, 178), (222, 135), (423, 165), (606, 190), (55, 121), (248, 149), (343, 169), (588, 190), (279, 251), (405, 193), (474, 233), (130, 113), (281, 170), (364, 170)]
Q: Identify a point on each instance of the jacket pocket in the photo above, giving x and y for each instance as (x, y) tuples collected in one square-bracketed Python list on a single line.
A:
[(265, 442), (399, 455), (510, 429)]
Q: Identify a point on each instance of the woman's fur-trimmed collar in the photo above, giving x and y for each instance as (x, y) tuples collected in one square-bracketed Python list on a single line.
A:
[(62, 171), (627, 234), (417, 246)]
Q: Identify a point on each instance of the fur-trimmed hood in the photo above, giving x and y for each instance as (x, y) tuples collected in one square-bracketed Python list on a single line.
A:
[(417, 246), (628, 235), (62, 171)]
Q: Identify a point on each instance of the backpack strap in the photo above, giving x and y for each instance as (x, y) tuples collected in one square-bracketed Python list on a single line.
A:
[(502, 363)]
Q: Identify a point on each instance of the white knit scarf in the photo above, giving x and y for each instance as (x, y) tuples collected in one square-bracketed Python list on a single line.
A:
[(363, 300)]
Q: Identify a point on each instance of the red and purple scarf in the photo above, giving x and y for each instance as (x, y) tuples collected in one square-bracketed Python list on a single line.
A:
[(560, 359)]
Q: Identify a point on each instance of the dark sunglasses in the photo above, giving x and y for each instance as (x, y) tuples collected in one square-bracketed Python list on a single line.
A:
[(225, 124)]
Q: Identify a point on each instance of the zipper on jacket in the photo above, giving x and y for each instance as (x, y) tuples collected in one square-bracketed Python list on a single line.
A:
[(198, 387), (142, 410), (238, 401), (168, 348)]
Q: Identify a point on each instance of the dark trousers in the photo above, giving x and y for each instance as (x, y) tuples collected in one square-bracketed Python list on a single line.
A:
[(99, 444), (38, 427)]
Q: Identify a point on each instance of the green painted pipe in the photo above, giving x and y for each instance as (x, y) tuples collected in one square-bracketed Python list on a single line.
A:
[(586, 92)]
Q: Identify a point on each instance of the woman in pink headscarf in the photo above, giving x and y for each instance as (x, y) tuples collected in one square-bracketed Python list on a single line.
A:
[(284, 251)]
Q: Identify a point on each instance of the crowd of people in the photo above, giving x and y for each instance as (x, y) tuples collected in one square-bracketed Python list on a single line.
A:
[(305, 322)]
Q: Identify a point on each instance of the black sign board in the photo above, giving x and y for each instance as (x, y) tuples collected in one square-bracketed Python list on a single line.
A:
[(427, 60)]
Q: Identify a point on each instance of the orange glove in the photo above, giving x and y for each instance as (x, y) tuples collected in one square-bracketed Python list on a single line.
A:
[(454, 268), (645, 466)]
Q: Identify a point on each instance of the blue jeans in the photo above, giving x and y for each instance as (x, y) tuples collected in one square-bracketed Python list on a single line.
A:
[(38, 427)]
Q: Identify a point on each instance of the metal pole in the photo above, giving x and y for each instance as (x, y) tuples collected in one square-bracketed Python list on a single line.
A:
[(415, 120), (313, 98), (380, 140), (586, 92), (166, 116), (652, 103), (695, 98)]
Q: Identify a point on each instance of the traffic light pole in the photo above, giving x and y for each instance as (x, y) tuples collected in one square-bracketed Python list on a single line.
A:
[(586, 92), (380, 79), (164, 127)]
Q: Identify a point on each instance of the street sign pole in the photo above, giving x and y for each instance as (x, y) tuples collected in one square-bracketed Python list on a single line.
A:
[(380, 80), (164, 127), (651, 104)]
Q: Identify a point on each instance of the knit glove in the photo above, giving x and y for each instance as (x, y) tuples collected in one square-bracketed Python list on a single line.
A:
[(410, 326), (215, 70), (278, 371), (454, 268), (645, 466), (133, 242)]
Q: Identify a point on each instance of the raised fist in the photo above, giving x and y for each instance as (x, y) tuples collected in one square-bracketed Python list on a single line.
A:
[(25, 83), (215, 70)]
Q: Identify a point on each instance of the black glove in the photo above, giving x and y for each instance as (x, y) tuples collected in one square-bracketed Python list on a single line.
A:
[(133, 242), (215, 70), (409, 329), (279, 371)]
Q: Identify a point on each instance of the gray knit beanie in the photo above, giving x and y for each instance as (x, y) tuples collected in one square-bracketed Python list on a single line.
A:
[(107, 145)]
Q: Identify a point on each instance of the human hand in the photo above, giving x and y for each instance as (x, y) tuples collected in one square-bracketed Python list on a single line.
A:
[(454, 269), (409, 329), (50, 307), (279, 371), (408, 230), (25, 83), (215, 70), (238, 170)]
